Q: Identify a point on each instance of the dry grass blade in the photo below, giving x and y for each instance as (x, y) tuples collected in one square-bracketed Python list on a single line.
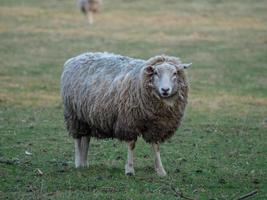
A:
[(39, 172), (245, 196)]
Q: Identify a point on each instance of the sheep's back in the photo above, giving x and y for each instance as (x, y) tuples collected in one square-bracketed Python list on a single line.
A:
[(91, 85)]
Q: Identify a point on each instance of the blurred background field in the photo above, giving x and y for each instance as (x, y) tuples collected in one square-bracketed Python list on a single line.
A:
[(219, 152)]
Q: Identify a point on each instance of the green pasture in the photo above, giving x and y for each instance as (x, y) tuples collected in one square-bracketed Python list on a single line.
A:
[(219, 152)]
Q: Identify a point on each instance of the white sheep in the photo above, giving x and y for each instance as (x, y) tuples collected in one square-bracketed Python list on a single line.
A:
[(113, 96)]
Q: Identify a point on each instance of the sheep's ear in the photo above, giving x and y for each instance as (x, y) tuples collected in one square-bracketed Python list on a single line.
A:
[(184, 65), (149, 69)]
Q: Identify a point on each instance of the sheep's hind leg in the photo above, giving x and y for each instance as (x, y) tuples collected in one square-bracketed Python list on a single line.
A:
[(81, 151), (90, 17), (129, 169), (158, 164)]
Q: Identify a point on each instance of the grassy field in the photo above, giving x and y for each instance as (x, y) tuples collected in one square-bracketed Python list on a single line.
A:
[(220, 152)]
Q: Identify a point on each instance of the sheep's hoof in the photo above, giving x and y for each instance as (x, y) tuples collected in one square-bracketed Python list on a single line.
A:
[(129, 174), (129, 171), (81, 165), (161, 172)]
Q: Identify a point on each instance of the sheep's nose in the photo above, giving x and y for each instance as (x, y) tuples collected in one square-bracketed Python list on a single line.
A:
[(165, 90)]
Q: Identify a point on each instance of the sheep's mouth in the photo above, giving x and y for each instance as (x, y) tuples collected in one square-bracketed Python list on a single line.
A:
[(166, 95)]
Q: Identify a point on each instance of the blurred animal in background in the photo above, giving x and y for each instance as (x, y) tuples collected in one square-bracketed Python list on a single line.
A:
[(89, 8)]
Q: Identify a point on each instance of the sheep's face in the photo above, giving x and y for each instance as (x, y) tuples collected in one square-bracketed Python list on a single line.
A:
[(165, 75), (164, 79)]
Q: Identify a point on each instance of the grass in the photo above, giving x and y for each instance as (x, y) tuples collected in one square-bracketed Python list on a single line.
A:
[(219, 152)]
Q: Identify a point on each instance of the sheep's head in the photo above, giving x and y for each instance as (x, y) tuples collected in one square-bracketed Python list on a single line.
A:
[(165, 75)]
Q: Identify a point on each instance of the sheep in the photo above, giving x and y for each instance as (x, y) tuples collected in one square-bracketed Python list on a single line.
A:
[(89, 8), (112, 96)]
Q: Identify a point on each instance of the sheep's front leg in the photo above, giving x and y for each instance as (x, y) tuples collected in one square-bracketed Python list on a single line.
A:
[(158, 164), (129, 169), (81, 151)]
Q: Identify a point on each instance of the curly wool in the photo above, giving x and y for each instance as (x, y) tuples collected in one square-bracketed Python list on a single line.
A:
[(111, 96)]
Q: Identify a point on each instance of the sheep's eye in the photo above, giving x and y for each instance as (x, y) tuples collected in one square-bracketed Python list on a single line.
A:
[(175, 74), (155, 73)]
